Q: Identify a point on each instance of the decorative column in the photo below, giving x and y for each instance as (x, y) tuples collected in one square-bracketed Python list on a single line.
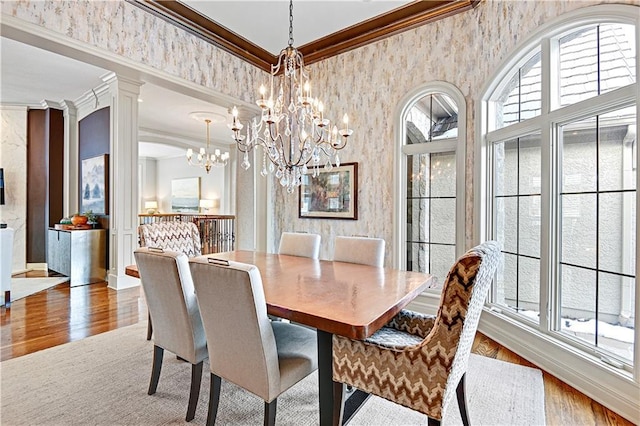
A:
[(70, 193), (249, 198), (123, 180)]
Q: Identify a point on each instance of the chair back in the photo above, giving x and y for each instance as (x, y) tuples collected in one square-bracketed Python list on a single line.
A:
[(239, 332), (461, 303), (171, 300), (300, 244), (182, 237), (362, 250)]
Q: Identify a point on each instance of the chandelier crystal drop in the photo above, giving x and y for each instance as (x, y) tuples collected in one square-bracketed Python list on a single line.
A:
[(292, 129), (204, 158)]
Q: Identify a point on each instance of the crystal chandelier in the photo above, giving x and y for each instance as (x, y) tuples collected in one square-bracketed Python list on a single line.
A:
[(292, 130), (205, 159)]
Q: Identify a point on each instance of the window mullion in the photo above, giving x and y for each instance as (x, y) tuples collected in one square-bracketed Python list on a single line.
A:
[(550, 96)]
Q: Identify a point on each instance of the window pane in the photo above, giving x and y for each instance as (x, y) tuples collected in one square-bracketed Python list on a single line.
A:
[(431, 213), (616, 232), (506, 166), (529, 226), (520, 96), (418, 219), (578, 301), (418, 176), (579, 156), (434, 116), (615, 301), (506, 223), (595, 60), (617, 56), (442, 258), (418, 257), (578, 229), (617, 132), (443, 174), (505, 290), (529, 165), (443, 221), (528, 285)]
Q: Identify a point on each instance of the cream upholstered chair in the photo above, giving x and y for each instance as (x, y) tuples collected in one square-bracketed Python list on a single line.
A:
[(363, 250), (182, 237), (417, 360), (300, 244), (171, 299), (266, 358)]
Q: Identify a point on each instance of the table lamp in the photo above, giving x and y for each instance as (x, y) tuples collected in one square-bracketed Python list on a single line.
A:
[(151, 207), (205, 205)]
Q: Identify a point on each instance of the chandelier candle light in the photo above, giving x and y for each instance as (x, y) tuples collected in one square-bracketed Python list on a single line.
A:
[(204, 158), (292, 131)]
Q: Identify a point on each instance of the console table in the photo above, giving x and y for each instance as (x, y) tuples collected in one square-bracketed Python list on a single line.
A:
[(79, 254)]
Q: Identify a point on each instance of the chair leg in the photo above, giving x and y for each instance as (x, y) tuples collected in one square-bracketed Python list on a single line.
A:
[(433, 422), (158, 352), (462, 401), (338, 403), (149, 328), (214, 399), (194, 393), (270, 412)]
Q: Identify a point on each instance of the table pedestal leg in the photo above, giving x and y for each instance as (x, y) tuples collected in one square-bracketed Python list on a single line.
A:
[(325, 377)]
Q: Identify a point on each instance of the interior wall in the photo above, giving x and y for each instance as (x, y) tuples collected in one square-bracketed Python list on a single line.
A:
[(212, 185), (13, 157)]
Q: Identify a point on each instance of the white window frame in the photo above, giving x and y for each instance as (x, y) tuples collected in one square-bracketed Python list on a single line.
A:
[(402, 150), (613, 387)]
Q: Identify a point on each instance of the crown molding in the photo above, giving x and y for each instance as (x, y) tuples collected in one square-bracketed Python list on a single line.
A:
[(401, 19)]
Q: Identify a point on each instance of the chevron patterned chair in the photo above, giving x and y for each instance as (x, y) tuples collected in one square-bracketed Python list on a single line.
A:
[(417, 360), (181, 237)]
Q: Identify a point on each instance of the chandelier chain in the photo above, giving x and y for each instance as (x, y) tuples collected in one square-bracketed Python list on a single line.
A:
[(291, 23), (292, 129)]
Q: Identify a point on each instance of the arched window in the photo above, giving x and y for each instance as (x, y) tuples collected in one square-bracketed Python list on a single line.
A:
[(430, 168), (559, 165)]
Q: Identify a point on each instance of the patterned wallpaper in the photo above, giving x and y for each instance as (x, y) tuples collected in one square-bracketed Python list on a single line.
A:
[(367, 82)]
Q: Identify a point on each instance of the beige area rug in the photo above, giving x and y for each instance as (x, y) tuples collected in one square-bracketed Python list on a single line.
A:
[(103, 380), (23, 287)]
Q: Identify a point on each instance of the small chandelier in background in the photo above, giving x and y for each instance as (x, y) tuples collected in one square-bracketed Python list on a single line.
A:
[(205, 158), (293, 131)]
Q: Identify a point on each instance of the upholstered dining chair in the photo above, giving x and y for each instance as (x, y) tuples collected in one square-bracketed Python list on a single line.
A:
[(362, 250), (300, 244), (417, 360), (182, 237), (264, 357), (168, 287)]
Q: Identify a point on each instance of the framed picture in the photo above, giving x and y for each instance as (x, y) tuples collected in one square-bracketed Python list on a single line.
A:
[(94, 185), (332, 194), (185, 195)]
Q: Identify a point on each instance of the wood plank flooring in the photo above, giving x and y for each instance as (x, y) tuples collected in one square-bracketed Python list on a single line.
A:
[(63, 314)]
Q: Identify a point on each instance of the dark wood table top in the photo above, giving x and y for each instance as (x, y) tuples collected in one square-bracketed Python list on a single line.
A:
[(341, 298)]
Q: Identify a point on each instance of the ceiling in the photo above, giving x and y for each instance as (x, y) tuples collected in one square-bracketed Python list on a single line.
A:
[(29, 75)]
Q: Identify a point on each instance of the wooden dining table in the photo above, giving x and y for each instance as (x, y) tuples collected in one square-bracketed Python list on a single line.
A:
[(347, 299)]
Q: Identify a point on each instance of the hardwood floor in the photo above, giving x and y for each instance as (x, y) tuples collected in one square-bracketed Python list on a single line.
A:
[(63, 314)]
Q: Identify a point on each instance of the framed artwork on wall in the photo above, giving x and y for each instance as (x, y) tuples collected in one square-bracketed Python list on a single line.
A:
[(94, 185), (185, 195), (331, 194)]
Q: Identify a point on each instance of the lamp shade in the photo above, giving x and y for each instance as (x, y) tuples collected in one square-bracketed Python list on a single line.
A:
[(151, 206), (206, 204), (1, 186)]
